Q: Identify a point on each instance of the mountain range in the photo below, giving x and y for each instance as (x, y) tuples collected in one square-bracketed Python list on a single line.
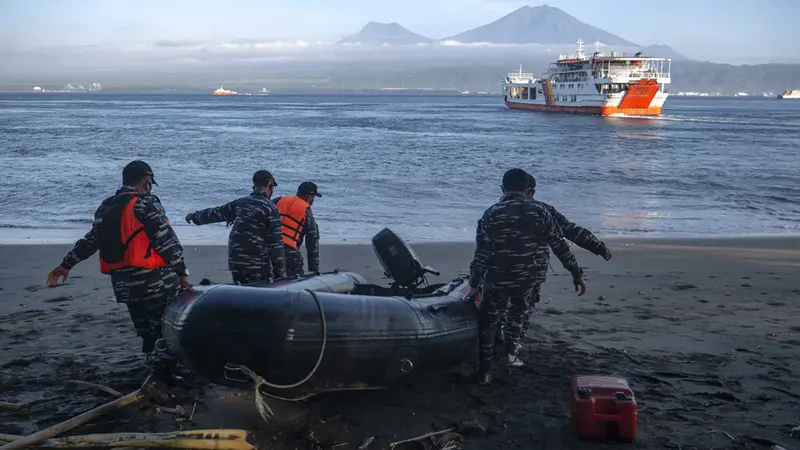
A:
[(474, 60), (546, 25)]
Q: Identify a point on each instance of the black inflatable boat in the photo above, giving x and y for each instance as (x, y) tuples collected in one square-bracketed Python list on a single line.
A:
[(329, 331)]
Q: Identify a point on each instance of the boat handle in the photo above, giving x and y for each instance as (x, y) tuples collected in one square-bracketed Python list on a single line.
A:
[(406, 366), (436, 308)]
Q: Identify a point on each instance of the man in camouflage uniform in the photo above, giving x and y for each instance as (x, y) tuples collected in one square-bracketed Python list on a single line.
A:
[(145, 292), (580, 236), (255, 245), (309, 231), (509, 236)]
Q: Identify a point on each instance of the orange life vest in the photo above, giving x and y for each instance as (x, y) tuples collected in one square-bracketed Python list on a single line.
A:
[(293, 218), (121, 238)]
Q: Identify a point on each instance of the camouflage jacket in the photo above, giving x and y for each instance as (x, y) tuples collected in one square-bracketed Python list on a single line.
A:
[(309, 233), (255, 244), (582, 237), (510, 238), (132, 283)]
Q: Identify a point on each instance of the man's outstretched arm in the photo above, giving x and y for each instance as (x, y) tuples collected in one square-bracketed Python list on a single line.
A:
[(555, 238), (224, 213), (582, 237)]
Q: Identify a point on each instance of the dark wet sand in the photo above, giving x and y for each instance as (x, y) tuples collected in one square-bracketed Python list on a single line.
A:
[(706, 330)]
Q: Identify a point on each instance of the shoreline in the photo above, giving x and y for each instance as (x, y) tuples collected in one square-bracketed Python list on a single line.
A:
[(705, 330), (218, 236)]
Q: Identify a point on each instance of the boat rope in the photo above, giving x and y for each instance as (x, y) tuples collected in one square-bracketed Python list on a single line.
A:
[(263, 408), (262, 382), (261, 405)]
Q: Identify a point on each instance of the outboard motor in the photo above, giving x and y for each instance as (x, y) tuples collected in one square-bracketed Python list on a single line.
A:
[(399, 261)]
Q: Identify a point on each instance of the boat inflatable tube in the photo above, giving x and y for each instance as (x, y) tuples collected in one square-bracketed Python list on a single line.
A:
[(373, 335)]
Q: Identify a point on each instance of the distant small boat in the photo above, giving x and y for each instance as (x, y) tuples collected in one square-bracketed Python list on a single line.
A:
[(222, 91), (263, 92), (790, 94)]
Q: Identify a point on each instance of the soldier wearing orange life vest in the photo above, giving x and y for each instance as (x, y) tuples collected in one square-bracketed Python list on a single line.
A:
[(298, 224), (140, 251)]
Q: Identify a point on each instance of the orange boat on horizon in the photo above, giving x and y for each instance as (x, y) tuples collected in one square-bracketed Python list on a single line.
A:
[(222, 91)]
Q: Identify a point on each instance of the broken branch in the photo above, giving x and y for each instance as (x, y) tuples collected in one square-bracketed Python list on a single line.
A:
[(12, 406), (418, 438), (99, 387)]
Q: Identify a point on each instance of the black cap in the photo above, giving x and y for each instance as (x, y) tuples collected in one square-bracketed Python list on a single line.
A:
[(516, 180), (135, 171), (309, 188), (263, 178)]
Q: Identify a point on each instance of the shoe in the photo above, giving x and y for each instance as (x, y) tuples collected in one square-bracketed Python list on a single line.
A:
[(516, 362)]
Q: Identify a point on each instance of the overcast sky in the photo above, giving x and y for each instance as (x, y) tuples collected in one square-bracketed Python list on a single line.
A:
[(718, 30)]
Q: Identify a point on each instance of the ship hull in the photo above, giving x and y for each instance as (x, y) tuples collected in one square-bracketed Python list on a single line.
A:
[(588, 110), (644, 98)]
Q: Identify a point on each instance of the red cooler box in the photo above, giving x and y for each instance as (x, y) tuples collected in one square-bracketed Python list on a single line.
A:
[(603, 407)]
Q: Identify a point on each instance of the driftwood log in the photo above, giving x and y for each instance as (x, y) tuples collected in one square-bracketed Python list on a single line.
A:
[(223, 439)]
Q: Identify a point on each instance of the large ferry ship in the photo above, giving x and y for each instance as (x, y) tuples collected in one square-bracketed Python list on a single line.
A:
[(604, 84), (790, 94), (222, 91)]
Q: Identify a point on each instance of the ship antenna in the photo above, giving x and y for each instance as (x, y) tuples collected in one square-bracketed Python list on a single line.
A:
[(580, 48), (597, 45)]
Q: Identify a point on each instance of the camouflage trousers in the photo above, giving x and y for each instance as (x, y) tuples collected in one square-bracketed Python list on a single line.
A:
[(248, 277), (531, 301), (146, 317), (146, 292), (498, 306), (294, 262)]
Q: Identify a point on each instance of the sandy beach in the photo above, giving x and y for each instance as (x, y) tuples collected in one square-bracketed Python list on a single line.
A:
[(707, 332)]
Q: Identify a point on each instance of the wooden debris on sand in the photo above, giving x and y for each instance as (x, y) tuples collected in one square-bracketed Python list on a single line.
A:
[(12, 406), (224, 439), (421, 437), (99, 387), (67, 425)]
